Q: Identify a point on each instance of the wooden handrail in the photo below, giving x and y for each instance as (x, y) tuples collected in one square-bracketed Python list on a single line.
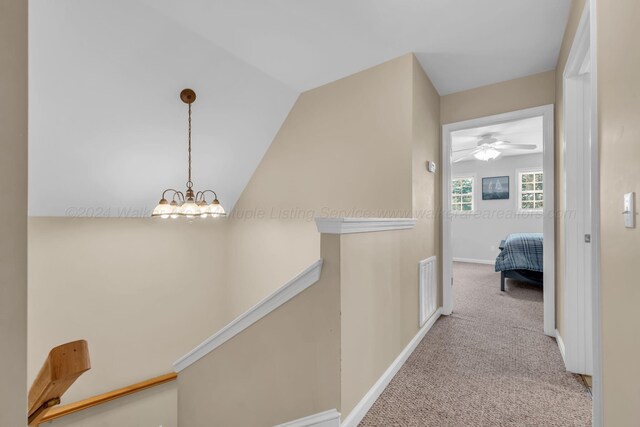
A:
[(64, 364), (71, 408)]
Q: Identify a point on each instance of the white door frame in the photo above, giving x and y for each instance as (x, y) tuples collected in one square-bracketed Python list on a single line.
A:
[(578, 183), (546, 112), (586, 302)]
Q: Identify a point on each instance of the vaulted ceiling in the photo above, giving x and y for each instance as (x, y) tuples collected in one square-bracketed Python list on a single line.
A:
[(108, 132)]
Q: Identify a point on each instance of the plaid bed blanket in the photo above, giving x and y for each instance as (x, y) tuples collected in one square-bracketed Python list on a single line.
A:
[(522, 251)]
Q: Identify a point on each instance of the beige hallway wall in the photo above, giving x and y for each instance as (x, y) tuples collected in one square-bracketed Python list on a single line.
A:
[(142, 292), (344, 150), (426, 145), (512, 95), (283, 367), (379, 271), (577, 6), (619, 133), (13, 218), (379, 305)]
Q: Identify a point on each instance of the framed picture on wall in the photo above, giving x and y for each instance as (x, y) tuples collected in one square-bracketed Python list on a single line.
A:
[(495, 188)]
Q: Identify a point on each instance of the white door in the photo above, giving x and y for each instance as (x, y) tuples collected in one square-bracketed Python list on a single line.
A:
[(578, 327)]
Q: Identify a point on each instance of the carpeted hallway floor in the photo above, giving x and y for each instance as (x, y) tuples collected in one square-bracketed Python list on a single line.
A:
[(488, 364)]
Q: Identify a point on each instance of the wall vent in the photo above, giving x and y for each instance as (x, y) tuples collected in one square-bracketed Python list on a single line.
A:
[(428, 290)]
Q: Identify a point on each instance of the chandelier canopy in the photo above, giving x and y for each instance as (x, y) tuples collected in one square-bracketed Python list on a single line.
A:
[(190, 204)]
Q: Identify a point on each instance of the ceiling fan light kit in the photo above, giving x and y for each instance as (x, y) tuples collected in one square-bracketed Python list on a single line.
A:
[(487, 154), (188, 204)]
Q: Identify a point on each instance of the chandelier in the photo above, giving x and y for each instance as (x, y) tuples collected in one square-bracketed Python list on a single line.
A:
[(189, 204)]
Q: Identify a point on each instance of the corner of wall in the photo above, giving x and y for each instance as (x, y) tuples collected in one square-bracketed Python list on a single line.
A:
[(426, 144), (13, 225)]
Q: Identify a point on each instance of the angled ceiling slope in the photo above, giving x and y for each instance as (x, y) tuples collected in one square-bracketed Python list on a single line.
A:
[(306, 43), (108, 132), (107, 127)]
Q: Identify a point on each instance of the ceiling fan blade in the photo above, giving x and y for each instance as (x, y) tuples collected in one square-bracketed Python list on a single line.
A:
[(467, 156), (464, 149), (461, 159), (518, 146)]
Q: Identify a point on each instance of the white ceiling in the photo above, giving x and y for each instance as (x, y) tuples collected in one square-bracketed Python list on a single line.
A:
[(306, 43), (526, 131), (107, 130)]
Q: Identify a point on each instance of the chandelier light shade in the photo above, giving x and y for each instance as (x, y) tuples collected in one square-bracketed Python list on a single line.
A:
[(191, 203)]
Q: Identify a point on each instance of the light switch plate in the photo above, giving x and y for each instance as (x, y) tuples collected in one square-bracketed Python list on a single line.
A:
[(431, 167), (629, 210)]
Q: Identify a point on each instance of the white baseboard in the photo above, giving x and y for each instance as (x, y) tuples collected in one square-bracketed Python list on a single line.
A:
[(561, 347), (330, 418), (361, 409), (475, 261)]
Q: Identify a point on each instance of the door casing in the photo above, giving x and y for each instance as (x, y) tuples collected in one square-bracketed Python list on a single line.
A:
[(547, 114)]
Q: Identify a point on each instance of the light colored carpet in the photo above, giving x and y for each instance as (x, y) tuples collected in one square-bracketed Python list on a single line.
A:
[(488, 364)]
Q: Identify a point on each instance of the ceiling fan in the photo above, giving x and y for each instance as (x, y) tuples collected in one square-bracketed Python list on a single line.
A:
[(489, 147)]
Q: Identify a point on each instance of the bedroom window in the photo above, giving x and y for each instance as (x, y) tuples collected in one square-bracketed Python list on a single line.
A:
[(462, 194), (531, 192)]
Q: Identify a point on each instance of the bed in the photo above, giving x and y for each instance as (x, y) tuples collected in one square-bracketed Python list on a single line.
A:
[(520, 259)]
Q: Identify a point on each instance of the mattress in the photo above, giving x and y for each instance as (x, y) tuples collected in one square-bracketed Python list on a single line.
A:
[(522, 251)]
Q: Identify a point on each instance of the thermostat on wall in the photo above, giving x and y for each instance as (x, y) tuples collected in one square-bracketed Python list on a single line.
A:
[(431, 166)]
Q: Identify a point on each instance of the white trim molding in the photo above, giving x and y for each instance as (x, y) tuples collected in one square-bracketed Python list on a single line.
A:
[(361, 409), (597, 391), (475, 261), (330, 418), (362, 225), (296, 285), (560, 346), (579, 200)]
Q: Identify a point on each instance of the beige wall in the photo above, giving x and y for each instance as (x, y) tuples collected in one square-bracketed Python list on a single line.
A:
[(142, 292), (619, 136), (344, 150), (577, 6), (512, 95), (13, 219), (283, 367), (379, 271), (426, 145), (388, 116), (379, 305)]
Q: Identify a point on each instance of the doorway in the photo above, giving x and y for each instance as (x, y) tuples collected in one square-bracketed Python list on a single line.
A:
[(545, 113)]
